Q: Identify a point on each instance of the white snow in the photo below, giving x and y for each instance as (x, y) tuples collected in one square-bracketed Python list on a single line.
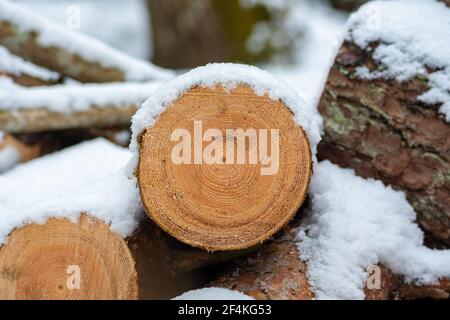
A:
[(324, 29), (87, 178), (73, 97), (355, 224), (53, 34), (17, 66), (9, 157), (414, 35), (213, 294), (230, 76), (124, 23)]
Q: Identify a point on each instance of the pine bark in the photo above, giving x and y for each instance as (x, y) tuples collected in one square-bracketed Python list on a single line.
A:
[(276, 272), (381, 129)]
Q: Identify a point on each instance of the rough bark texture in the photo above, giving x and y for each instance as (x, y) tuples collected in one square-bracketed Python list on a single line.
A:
[(39, 120), (275, 272), (380, 129), (189, 33), (25, 45)]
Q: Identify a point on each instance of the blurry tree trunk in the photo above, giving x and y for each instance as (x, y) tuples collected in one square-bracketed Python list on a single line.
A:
[(189, 33)]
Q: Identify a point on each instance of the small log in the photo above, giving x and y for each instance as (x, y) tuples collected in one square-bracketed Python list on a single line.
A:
[(62, 260), (226, 205), (38, 120), (71, 54)]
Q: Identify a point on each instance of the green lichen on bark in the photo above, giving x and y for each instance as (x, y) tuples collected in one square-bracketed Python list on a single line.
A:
[(382, 130)]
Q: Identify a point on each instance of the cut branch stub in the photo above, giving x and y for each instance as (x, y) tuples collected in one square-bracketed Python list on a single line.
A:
[(208, 184), (48, 262)]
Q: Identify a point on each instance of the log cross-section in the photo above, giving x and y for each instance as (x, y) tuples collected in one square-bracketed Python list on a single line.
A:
[(227, 204)]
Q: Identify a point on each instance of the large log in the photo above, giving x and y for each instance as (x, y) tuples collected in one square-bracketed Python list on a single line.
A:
[(383, 131), (276, 272), (226, 203)]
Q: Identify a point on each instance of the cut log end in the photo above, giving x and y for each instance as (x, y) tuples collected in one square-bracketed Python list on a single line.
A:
[(47, 262), (212, 200)]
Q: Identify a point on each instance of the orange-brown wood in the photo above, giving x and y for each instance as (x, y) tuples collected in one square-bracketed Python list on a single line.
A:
[(65, 260), (223, 206)]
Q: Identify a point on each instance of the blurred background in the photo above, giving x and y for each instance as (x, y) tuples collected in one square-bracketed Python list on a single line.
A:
[(295, 39)]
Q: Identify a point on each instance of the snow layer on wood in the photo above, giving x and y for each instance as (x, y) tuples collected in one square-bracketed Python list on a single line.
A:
[(357, 223), (73, 97), (17, 66), (213, 294), (230, 76), (87, 178), (54, 34), (414, 37)]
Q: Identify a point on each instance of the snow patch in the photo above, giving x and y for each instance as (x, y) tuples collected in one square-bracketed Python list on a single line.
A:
[(74, 97), (87, 178), (213, 294), (357, 223), (53, 34), (414, 37), (17, 66), (9, 157), (230, 76)]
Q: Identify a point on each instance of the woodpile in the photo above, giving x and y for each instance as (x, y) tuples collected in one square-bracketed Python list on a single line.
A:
[(215, 189)]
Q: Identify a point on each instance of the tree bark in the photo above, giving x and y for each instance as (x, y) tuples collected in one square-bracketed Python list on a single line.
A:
[(223, 204), (276, 272), (380, 129)]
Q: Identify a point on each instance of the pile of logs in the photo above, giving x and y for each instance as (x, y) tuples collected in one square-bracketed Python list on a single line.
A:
[(219, 225)]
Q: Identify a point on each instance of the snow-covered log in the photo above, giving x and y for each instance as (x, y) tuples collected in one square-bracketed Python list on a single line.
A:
[(70, 106), (221, 157), (23, 72), (68, 52), (386, 104), (357, 240)]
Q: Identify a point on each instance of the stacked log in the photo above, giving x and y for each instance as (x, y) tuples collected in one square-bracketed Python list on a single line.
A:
[(226, 204), (381, 129)]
